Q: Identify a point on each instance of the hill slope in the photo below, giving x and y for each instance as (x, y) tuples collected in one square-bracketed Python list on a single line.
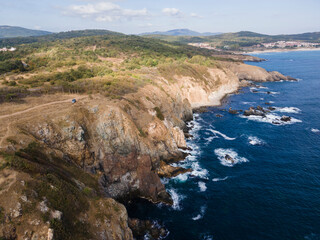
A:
[(180, 32), (11, 31)]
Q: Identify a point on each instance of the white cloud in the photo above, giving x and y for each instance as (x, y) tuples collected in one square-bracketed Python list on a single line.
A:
[(194, 15), (105, 12), (172, 12)]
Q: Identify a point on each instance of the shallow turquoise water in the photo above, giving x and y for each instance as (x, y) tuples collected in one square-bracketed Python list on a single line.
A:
[(273, 189)]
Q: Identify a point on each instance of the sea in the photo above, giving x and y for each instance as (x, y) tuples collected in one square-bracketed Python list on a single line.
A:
[(271, 188)]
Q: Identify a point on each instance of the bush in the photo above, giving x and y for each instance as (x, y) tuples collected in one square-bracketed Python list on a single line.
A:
[(11, 65), (159, 113)]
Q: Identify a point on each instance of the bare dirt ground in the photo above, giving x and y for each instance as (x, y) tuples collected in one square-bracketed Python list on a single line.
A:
[(32, 107)]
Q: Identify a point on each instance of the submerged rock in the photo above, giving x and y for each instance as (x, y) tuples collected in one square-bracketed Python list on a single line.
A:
[(232, 111)]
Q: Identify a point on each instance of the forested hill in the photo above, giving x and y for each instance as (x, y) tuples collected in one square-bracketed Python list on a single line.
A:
[(11, 32)]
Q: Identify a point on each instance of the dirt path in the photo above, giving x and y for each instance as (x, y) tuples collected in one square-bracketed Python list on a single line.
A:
[(36, 107)]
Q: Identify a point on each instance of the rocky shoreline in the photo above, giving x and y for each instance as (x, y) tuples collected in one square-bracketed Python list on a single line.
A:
[(124, 145)]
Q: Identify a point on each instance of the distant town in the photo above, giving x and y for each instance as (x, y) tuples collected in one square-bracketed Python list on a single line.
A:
[(289, 44)]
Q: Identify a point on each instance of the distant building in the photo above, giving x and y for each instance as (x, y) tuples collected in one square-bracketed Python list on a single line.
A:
[(284, 44), (7, 49)]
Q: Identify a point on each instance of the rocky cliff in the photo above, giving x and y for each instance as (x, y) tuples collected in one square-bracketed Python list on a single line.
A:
[(103, 149)]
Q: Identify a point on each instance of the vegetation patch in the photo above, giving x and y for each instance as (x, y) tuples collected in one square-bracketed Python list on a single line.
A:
[(159, 113)]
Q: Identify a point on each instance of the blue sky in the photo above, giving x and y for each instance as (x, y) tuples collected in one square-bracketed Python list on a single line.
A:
[(136, 16)]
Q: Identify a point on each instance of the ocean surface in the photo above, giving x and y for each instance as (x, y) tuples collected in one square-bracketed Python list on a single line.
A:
[(272, 188)]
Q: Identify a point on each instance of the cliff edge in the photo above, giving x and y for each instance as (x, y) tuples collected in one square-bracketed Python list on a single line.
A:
[(65, 164)]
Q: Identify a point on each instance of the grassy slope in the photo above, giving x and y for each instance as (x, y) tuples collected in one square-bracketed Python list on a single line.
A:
[(88, 61)]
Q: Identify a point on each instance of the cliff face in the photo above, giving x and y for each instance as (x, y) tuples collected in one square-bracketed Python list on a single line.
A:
[(124, 144)]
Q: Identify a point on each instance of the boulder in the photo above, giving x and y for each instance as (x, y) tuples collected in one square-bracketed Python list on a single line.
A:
[(271, 108), (229, 158), (169, 171), (285, 119), (255, 112)]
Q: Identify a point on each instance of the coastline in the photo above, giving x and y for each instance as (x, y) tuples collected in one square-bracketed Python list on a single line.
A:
[(283, 50)]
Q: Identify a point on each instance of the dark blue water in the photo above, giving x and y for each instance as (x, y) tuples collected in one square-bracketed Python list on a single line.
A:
[(272, 190)]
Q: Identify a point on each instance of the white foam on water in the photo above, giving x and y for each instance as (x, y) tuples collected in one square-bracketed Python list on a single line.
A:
[(262, 87), (288, 109), (176, 199), (222, 153), (181, 177), (207, 238), (164, 181), (194, 125), (209, 139), (253, 88), (201, 214), (202, 186), (255, 140), (272, 119), (315, 130), (219, 179), (198, 171), (222, 135), (249, 103)]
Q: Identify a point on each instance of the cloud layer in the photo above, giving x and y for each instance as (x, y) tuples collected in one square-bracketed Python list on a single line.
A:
[(105, 12)]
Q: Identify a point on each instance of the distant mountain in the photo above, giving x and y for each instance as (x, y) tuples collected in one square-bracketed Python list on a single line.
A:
[(11, 32), (180, 32)]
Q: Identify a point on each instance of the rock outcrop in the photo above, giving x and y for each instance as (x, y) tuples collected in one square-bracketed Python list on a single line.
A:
[(257, 74)]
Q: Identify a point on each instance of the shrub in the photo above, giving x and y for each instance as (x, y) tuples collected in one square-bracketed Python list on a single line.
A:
[(159, 113)]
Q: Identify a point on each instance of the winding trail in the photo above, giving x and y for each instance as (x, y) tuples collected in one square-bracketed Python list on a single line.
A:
[(36, 107)]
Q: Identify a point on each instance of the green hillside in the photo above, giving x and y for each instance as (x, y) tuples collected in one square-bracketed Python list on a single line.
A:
[(93, 61)]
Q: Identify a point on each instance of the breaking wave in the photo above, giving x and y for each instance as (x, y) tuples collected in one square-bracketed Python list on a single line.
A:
[(176, 199), (315, 130), (222, 135), (271, 118), (201, 214), (255, 141), (235, 159), (219, 179), (288, 109), (202, 186)]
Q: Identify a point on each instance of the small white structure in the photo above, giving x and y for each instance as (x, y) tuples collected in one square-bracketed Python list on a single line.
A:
[(12, 49)]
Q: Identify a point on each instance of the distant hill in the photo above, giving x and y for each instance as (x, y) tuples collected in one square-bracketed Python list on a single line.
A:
[(11, 32), (180, 32), (239, 40), (55, 36)]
